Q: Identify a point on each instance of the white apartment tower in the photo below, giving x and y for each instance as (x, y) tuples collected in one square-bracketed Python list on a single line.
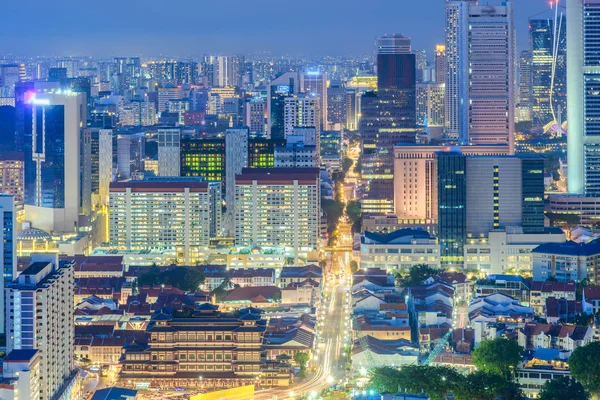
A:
[(169, 162), (105, 164), (314, 84), (40, 316), (173, 213), (254, 116), (236, 158), (302, 112), (278, 208)]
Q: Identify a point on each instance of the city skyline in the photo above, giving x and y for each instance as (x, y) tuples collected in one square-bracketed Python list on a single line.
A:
[(81, 29)]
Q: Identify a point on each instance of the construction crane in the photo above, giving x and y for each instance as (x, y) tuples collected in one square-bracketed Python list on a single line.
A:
[(438, 348)]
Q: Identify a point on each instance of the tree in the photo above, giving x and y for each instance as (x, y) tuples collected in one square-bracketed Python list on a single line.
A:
[(416, 275), (346, 164), (301, 358), (498, 356), (150, 277), (353, 266), (585, 366), (481, 386), (353, 210), (563, 387), (436, 381)]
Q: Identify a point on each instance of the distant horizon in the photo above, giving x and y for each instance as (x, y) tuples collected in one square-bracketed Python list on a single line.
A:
[(322, 28)]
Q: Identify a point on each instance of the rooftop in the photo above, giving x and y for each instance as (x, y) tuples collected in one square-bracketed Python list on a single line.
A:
[(23, 355), (35, 268)]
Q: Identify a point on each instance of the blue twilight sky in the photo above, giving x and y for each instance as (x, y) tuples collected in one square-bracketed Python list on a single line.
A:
[(194, 27)]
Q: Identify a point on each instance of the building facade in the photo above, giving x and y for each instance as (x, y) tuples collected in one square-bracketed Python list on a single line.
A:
[(169, 157)]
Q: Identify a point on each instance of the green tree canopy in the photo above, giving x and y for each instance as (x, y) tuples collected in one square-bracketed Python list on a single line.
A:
[(585, 366), (498, 356), (416, 275), (563, 387), (436, 381), (353, 266), (353, 210), (302, 359)]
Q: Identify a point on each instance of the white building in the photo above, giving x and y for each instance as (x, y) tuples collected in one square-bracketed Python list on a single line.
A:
[(254, 115), (169, 159), (54, 204), (21, 375), (314, 84), (302, 112), (504, 251), (567, 261), (138, 113), (105, 164), (227, 70), (236, 158), (278, 207), (161, 213), (399, 250), (40, 317)]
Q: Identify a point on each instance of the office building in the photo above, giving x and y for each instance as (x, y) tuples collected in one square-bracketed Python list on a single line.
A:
[(131, 151), (12, 176), (541, 44), (583, 77), (236, 159), (480, 72), (440, 64), (171, 212), (167, 94), (138, 113), (52, 145), (39, 316), (278, 208), (169, 157), (568, 261), (452, 203), (491, 75), (388, 118), (254, 116), (9, 76), (313, 83), (415, 179), (261, 152), (280, 88), (8, 244), (296, 154), (524, 107), (203, 158)]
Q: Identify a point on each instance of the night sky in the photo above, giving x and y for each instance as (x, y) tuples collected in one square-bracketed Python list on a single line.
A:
[(195, 27)]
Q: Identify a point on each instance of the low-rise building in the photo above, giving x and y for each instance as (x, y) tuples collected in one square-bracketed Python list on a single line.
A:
[(565, 338), (21, 375), (371, 352), (510, 285), (99, 350), (499, 307), (399, 250), (299, 274), (540, 291), (306, 292), (567, 261), (538, 368), (507, 251)]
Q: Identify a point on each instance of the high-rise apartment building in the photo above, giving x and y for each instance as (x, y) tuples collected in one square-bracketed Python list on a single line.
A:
[(313, 83), (131, 150), (52, 124), (169, 157), (278, 207), (583, 86), (138, 113), (167, 94), (8, 246), (228, 70), (430, 103), (12, 176), (254, 115), (172, 213), (302, 112), (39, 316), (280, 88), (101, 165), (236, 159)]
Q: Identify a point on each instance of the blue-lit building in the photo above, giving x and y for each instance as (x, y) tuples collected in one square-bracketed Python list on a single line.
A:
[(452, 203), (280, 88), (8, 249)]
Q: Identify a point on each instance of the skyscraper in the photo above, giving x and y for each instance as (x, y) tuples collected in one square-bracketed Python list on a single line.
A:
[(40, 316), (491, 75), (228, 71), (314, 84), (285, 85), (524, 107), (52, 124), (452, 202), (301, 112), (541, 49), (388, 117), (583, 86), (8, 246)]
